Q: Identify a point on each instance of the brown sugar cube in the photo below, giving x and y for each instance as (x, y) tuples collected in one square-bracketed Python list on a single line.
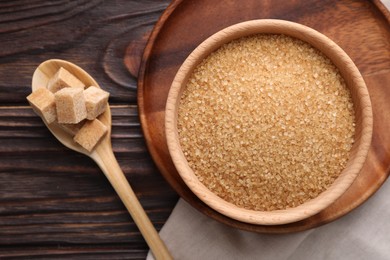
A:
[(43, 103), (70, 105), (72, 129), (90, 134), (96, 101), (64, 79)]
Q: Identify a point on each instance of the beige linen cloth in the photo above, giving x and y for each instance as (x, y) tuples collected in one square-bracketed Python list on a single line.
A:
[(364, 233)]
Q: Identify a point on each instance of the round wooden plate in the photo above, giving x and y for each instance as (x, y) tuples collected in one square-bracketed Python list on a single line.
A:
[(361, 28)]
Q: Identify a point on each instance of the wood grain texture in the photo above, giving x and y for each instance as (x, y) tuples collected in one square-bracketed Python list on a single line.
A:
[(359, 27), (55, 203)]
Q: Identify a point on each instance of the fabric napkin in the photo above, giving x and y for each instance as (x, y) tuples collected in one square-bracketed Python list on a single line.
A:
[(364, 233)]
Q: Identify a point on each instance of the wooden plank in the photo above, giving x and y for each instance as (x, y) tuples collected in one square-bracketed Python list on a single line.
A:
[(118, 251)]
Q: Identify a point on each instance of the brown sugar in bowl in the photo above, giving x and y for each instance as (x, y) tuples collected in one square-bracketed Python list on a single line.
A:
[(357, 153)]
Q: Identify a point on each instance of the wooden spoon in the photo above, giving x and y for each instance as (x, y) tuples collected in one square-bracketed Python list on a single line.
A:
[(102, 155)]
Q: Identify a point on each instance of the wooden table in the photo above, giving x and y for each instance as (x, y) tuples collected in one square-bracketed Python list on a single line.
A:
[(53, 201)]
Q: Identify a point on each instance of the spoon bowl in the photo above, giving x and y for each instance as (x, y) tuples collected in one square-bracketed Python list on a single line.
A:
[(102, 154), (41, 77)]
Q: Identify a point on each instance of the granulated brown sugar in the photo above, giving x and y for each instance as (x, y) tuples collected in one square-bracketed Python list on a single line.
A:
[(266, 122)]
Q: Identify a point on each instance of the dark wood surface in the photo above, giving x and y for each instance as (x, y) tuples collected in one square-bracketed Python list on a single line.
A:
[(55, 203), (361, 28)]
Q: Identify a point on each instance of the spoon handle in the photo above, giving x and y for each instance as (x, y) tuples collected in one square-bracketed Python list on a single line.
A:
[(106, 160)]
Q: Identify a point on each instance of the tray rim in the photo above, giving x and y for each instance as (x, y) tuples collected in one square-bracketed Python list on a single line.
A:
[(277, 229)]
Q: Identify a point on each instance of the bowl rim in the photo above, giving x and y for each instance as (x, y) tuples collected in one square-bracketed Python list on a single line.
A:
[(330, 49)]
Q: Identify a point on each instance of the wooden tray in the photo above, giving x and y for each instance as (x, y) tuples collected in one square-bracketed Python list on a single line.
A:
[(361, 28)]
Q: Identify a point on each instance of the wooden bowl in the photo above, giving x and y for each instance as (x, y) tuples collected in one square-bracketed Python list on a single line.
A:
[(363, 116)]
